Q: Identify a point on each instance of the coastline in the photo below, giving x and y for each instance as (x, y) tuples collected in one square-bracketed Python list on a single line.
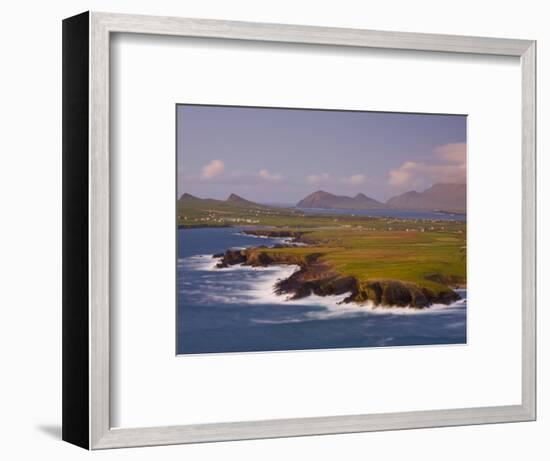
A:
[(202, 226), (316, 277)]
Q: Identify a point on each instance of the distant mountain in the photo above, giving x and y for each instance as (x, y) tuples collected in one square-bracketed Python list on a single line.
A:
[(237, 200), (403, 201), (366, 203), (322, 199), (233, 200), (191, 200), (188, 198), (441, 196)]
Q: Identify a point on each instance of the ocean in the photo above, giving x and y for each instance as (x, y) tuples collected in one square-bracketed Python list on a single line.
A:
[(389, 213), (235, 310)]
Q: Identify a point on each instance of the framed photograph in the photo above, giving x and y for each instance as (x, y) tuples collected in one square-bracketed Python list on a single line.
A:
[(326, 271), (275, 230)]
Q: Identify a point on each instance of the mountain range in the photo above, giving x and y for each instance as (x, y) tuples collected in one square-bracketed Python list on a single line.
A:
[(322, 199), (440, 196), (233, 199)]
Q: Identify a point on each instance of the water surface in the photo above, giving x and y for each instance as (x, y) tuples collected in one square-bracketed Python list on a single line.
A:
[(389, 213), (235, 309)]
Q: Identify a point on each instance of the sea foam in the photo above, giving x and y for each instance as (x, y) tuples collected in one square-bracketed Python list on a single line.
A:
[(256, 286)]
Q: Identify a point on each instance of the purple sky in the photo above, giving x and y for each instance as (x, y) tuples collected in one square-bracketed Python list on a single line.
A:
[(282, 155)]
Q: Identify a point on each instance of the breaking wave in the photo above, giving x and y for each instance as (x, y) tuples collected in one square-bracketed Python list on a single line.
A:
[(246, 285), (280, 240)]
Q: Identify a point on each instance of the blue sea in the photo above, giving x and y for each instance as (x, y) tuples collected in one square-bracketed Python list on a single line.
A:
[(235, 310), (389, 213)]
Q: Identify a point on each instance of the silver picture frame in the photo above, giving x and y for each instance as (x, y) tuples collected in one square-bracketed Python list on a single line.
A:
[(86, 230)]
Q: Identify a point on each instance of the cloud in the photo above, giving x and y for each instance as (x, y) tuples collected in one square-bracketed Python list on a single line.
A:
[(403, 174), (264, 174), (329, 180), (216, 169), (453, 153), (317, 179), (449, 166), (356, 179), (212, 169)]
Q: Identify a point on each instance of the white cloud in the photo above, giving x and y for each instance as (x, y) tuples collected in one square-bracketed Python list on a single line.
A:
[(403, 174), (329, 180), (449, 166), (212, 169), (217, 169), (265, 174), (356, 179), (317, 179), (452, 152)]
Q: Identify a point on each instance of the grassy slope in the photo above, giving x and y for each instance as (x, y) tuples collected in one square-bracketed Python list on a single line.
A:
[(217, 213), (381, 255), (366, 248)]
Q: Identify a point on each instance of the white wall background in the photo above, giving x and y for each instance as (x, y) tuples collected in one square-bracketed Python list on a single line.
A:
[(30, 235)]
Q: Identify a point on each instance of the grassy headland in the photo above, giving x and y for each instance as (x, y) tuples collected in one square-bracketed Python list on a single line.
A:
[(389, 261)]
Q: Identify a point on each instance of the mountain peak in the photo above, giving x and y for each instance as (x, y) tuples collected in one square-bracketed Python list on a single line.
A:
[(186, 196), (363, 201), (447, 186), (322, 199), (320, 193), (236, 198), (441, 196)]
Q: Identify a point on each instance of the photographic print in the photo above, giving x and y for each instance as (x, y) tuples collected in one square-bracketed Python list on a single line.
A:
[(303, 229)]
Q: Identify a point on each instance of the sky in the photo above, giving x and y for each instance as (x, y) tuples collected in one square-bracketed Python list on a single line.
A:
[(271, 155)]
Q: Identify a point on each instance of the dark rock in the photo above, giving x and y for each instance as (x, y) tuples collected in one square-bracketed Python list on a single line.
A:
[(331, 286), (316, 277), (396, 294), (275, 233), (446, 297), (260, 259), (401, 294), (232, 257)]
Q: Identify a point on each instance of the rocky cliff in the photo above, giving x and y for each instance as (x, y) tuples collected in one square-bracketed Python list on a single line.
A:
[(316, 277)]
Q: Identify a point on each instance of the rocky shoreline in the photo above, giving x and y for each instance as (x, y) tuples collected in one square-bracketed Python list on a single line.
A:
[(316, 277)]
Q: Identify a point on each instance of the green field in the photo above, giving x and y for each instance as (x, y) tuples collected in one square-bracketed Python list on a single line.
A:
[(428, 253), (428, 259)]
